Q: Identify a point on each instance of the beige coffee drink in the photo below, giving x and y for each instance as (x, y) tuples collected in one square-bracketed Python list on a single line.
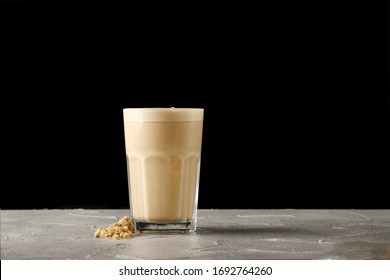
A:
[(163, 147)]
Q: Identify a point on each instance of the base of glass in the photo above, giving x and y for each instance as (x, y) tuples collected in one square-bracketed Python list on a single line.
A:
[(164, 227)]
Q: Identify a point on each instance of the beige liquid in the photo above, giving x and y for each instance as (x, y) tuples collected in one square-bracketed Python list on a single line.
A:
[(163, 160)]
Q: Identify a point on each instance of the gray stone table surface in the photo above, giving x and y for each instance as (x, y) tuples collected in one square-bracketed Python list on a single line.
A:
[(221, 234)]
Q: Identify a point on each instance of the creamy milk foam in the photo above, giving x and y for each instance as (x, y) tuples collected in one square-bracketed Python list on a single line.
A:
[(163, 147)]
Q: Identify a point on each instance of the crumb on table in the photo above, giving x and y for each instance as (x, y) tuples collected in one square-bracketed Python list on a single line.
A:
[(122, 229)]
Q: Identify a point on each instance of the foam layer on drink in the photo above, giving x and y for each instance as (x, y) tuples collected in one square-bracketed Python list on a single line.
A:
[(163, 115), (163, 157)]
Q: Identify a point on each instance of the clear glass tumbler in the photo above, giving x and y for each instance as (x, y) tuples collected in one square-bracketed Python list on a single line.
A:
[(163, 148)]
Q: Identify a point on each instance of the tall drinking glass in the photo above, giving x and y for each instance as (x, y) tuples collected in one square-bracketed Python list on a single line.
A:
[(163, 148)]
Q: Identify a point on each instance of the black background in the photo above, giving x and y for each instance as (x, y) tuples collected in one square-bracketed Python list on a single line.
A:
[(295, 96)]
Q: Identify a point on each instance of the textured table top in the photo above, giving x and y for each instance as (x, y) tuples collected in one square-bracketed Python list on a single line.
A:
[(221, 234)]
